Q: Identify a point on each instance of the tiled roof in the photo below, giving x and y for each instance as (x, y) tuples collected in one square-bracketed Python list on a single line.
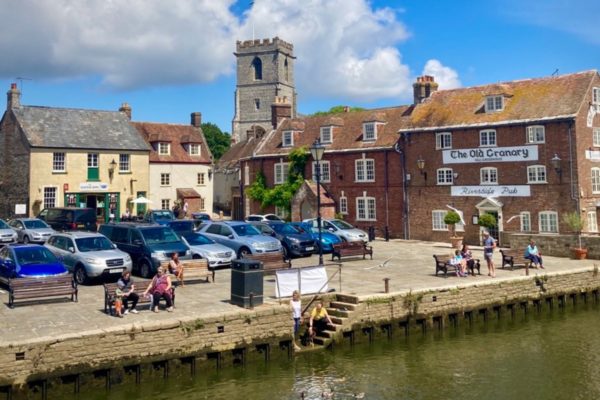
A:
[(78, 129), (187, 193), (325, 197), (237, 151), (177, 136), (530, 99)]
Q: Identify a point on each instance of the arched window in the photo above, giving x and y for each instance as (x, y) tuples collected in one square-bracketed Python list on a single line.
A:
[(286, 71), (257, 66)]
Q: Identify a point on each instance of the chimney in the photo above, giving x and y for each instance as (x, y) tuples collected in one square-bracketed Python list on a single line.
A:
[(280, 110), (196, 118), (346, 109), (423, 87), (13, 97), (126, 108)]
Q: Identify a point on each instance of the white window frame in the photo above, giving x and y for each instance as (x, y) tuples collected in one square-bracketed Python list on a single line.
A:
[(494, 103), (366, 208), (202, 204), (200, 179), (536, 134), (437, 220), (58, 159), (326, 135), (287, 139), (325, 171), (443, 140), (165, 204), (596, 97), (369, 132), (93, 160), (525, 221), (445, 176), (281, 212), (361, 170), (592, 221), (547, 220), (194, 149), (47, 192), (487, 138), (246, 174), (281, 172), (595, 178), (596, 137), (537, 174), (485, 175), (124, 162), (343, 205), (164, 148), (165, 179)]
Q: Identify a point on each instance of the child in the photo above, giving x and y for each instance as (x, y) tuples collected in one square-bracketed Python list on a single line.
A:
[(296, 305), (118, 302), (460, 263)]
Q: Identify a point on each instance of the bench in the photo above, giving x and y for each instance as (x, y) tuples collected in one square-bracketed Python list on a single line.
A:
[(38, 288), (515, 257), (193, 270), (140, 286), (271, 261), (344, 249), (442, 263)]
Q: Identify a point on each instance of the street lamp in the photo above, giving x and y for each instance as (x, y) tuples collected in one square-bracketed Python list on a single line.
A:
[(111, 168), (317, 151)]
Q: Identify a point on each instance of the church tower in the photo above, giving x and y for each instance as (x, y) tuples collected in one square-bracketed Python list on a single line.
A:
[(265, 77)]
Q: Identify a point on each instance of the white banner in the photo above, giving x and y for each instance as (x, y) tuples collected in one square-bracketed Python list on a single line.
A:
[(490, 154), (93, 186), (305, 280), (491, 191)]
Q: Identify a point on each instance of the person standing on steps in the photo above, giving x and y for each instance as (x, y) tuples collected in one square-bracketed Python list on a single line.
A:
[(319, 321), (489, 244), (296, 304)]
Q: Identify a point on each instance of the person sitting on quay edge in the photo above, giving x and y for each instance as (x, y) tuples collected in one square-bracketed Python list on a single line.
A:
[(125, 285), (533, 253), (319, 321), (176, 268), (466, 254), (160, 288)]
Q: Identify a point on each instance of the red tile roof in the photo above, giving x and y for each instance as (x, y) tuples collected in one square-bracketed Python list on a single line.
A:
[(236, 152)]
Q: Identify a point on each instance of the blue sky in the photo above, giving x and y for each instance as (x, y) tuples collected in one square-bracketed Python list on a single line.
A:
[(168, 59)]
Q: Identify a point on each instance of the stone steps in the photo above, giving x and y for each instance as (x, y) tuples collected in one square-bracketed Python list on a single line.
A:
[(338, 313), (343, 305), (347, 298)]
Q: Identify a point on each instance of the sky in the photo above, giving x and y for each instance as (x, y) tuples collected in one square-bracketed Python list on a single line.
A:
[(168, 59)]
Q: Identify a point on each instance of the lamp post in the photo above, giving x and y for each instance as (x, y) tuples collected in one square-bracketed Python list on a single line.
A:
[(317, 151)]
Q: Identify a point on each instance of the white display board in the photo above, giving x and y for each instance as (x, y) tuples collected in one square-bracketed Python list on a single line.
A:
[(307, 280), (20, 209)]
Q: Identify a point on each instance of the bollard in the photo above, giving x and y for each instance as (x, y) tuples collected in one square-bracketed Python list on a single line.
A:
[(387, 234), (387, 284), (251, 300), (371, 233)]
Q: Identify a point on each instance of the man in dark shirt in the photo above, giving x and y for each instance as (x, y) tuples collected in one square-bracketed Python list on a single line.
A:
[(125, 284)]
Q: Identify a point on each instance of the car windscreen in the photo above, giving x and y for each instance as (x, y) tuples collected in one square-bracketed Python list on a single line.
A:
[(35, 224), (285, 229), (254, 218), (196, 239), (182, 226), (4, 225), (85, 215), (34, 255), (245, 230), (159, 235), (93, 244), (341, 224), (162, 215)]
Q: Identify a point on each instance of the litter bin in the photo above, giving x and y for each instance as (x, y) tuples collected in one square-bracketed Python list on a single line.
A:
[(371, 233), (246, 283)]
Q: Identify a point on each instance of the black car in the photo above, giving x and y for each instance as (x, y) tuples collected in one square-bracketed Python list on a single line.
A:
[(69, 218), (294, 242)]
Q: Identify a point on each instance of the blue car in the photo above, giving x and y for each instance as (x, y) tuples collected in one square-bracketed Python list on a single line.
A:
[(328, 239), (29, 261)]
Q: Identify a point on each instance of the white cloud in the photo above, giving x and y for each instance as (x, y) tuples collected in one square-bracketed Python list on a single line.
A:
[(446, 77)]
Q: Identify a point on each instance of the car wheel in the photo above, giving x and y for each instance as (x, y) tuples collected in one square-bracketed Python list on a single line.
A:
[(243, 252), (286, 253), (197, 257), (80, 275), (145, 270), (26, 239)]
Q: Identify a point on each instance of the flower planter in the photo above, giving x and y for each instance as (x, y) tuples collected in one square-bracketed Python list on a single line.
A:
[(579, 253), (456, 242)]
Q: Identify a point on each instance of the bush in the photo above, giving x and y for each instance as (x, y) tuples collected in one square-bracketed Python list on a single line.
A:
[(452, 218), (486, 220)]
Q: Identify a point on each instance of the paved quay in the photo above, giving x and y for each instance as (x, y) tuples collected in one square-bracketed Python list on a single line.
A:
[(408, 264)]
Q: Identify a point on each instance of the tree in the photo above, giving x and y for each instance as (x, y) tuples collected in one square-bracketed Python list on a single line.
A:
[(451, 219), (575, 222), (218, 141), (338, 110), (487, 220)]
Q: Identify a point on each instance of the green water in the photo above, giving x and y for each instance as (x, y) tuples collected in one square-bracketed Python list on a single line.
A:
[(547, 355)]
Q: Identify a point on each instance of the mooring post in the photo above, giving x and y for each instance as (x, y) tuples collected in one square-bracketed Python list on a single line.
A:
[(251, 300), (386, 284)]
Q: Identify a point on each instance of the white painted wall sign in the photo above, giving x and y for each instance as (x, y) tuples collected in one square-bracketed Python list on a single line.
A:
[(491, 191), (85, 186), (490, 154)]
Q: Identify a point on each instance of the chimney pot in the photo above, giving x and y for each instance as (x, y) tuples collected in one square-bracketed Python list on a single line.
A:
[(126, 108), (196, 119), (13, 97), (423, 87), (13, 86)]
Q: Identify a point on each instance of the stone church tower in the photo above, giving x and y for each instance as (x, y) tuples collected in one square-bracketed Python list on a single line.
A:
[(265, 77)]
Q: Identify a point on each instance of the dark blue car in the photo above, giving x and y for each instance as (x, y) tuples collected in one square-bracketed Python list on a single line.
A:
[(294, 242), (29, 261), (328, 239)]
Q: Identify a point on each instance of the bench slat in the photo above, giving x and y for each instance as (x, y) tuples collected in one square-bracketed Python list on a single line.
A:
[(43, 287)]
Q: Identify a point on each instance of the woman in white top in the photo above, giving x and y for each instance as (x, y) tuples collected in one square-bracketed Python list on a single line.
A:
[(296, 305)]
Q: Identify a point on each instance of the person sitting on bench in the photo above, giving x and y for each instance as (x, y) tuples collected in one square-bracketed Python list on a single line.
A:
[(160, 287), (176, 268), (533, 253)]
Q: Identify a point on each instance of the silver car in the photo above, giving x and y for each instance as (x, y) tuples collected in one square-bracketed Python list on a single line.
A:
[(242, 237), (32, 230), (7, 235), (342, 229), (216, 254), (88, 255)]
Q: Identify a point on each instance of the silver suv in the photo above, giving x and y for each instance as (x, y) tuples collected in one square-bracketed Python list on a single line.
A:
[(242, 237), (88, 255), (31, 230)]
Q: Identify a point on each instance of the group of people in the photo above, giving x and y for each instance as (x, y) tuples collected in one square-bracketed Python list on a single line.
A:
[(318, 320)]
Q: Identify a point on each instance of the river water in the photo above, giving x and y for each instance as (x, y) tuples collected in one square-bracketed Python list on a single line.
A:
[(547, 355)]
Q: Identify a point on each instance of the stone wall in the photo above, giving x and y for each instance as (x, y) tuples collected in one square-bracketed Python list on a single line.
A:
[(553, 245), (14, 167)]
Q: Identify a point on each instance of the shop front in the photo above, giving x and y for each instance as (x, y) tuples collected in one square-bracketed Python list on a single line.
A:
[(107, 204)]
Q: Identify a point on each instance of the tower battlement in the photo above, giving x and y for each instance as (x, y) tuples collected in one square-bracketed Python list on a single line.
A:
[(264, 45)]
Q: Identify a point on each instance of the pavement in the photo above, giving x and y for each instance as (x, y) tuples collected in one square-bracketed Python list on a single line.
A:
[(409, 265)]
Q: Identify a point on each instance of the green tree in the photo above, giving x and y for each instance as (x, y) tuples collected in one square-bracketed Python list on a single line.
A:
[(218, 141), (338, 110)]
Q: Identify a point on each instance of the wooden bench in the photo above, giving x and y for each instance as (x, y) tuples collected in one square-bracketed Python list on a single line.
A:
[(344, 249), (140, 286), (442, 263), (515, 257), (193, 270), (271, 261), (39, 288)]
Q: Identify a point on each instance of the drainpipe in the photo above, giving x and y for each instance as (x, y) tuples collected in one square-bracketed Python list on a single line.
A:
[(387, 184), (405, 206), (574, 183)]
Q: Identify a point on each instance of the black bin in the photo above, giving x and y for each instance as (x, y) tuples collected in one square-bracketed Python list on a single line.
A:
[(246, 283)]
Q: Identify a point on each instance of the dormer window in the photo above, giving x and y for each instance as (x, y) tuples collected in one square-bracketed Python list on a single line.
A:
[(164, 148), (326, 136), (369, 132), (287, 139), (194, 149), (494, 103)]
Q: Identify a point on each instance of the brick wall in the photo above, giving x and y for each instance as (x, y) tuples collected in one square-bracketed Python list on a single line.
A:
[(14, 167)]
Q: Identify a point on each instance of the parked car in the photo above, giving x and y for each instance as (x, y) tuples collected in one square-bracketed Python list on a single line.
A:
[(28, 261), (342, 229), (89, 255), (266, 217), (216, 254), (7, 235), (328, 239), (69, 218), (31, 230), (161, 217), (295, 243), (242, 237), (147, 244), (201, 216), (182, 225)]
